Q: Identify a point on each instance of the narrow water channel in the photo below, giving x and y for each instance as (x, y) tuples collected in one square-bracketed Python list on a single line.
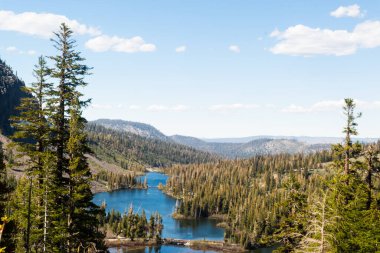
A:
[(152, 200)]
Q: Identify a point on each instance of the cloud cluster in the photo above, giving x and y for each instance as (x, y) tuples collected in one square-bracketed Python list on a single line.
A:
[(15, 50), (229, 107), (306, 41), (160, 108), (41, 24), (329, 105), (44, 24), (152, 108), (181, 49), (234, 48), (104, 43), (352, 11)]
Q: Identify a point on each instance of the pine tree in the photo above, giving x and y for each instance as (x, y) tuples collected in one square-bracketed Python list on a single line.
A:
[(70, 74), (3, 195), (294, 217), (32, 136), (357, 229), (372, 168), (82, 215), (71, 177), (319, 236), (151, 227), (349, 130), (3, 182)]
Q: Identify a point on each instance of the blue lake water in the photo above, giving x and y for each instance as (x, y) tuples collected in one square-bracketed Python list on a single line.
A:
[(152, 200), (160, 249)]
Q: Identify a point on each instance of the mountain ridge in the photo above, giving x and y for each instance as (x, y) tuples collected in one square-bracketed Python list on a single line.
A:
[(259, 145)]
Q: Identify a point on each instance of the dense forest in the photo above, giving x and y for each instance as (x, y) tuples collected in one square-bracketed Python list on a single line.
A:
[(246, 193), (323, 202), (130, 150), (133, 225)]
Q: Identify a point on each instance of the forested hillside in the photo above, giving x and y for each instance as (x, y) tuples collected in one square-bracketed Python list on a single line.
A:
[(10, 95), (127, 149), (137, 128), (247, 193), (322, 202)]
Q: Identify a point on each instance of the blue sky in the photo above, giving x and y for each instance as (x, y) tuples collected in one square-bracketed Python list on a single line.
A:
[(213, 68)]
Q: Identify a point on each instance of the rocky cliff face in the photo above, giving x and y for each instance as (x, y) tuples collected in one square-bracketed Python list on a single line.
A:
[(10, 95)]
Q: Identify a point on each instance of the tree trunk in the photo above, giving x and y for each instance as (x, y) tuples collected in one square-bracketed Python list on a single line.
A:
[(28, 218), (45, 217)]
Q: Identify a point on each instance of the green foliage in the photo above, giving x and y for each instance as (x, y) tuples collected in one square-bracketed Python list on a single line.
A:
[(52, 206), (346, 219), (3, 182), (132, 225), (120, 181), (134, 152), (248, 193)]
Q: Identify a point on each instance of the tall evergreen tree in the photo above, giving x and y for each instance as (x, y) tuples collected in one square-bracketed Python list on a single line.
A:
[(349, 130), (3, 194), (75, 216), (371, 169), (3, 182), (83, 225), (33, 136), (69, 72), (357, 229)]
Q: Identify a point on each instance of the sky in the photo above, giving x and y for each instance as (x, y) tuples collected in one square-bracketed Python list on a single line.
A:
[(215, 68)]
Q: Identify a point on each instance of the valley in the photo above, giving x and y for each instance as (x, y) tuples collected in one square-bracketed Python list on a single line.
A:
[(113, 185)]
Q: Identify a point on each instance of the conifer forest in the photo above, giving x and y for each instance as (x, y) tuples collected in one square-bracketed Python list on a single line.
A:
[(76, 179)]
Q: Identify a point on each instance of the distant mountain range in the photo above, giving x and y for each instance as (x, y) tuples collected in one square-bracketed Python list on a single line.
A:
[(306, 139), (141, 129), (230, 147)]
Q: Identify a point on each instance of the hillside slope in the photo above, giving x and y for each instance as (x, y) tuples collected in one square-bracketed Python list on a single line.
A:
[(127, 149), (137, 128), (10, 95)]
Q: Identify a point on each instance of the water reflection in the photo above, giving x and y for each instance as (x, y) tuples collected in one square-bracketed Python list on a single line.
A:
[(160, 249)]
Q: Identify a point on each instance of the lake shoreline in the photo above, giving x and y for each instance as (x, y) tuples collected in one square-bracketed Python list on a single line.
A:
[(219, 246)]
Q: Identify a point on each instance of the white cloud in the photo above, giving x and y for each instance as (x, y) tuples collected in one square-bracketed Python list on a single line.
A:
[(15, 50), (179, 108), (295, 108), (44, 24), (181, 49), (160, 108), (228, 107), (134, 107), (11, 49), (41, 24), (317, 107), (31, 52), (352, 11), (270, 106), (306, 41), (101, 106), (234, 48), (107, 43), (330, 105)]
